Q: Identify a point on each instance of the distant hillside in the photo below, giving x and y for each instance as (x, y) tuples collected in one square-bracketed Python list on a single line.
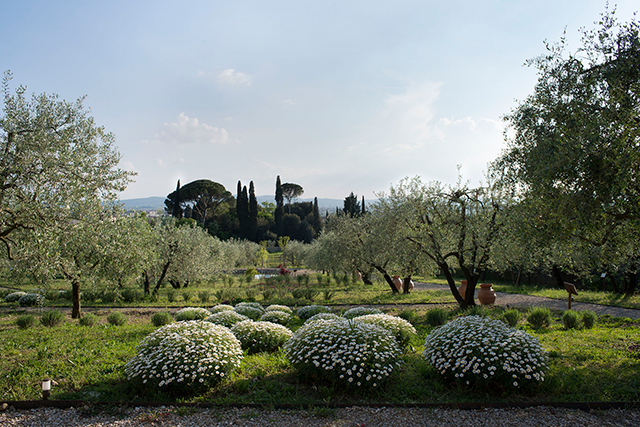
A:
[(153, 203), (144, 204)]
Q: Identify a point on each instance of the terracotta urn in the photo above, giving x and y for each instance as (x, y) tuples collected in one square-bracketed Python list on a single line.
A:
[(398, 282), (463, 288), (486, 294)]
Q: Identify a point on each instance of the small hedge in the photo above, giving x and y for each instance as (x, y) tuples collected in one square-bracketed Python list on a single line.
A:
[(402, 330), (476, 350), (184, 356), (226, 318), (310, 310), (256, 337), (279, 317), (14, 296), (344, 352), (31, 300), (192, 313)]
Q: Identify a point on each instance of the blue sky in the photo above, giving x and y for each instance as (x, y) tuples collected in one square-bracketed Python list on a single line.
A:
[(337, 96)]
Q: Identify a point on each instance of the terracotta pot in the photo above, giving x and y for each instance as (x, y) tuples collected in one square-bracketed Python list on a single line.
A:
[(463, 288), (398, 282), (486, 294)]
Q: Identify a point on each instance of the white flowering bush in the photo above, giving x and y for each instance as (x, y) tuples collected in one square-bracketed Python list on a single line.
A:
[(276, 307), (252, 313), (192, 313), (185, 355), (401, 329), (480, 351), (256, 337), (347, 352), (360, 311), (221, 307), (256, 305), (31, 300), (322, 316), (226, 318), (274, 316), (309, 310), (14, 296)]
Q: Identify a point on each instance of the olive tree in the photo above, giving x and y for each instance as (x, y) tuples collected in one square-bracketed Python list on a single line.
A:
[(453, 226), (183, 253), (572, 153), (55, 163)]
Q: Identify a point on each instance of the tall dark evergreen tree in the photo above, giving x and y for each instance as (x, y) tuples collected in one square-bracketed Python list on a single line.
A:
[(351, 205), (252, 226), (316, 223), (364, 211), (279, 212), (177, 210), (242, 209)]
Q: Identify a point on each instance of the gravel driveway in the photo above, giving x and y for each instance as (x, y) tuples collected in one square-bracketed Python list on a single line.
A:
[(345, 417)]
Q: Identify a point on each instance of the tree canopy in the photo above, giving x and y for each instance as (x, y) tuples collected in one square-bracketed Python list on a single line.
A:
[(54, 162), (572, 154), (203, 196), (291, 191)]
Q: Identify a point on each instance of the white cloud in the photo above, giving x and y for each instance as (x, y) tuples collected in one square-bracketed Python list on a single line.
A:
[(188, 130), (234, 78), (410, 115)]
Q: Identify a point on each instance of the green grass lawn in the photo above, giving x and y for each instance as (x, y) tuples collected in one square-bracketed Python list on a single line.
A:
[(87, 363)]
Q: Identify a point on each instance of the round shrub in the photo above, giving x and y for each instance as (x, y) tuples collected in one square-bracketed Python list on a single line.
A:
[(116, 318), (360, 311), (402, 330), (256, 337), (480, 351), (14, 296), (90, 296), (252, 313), (589, 319), (161, 318), (255, 305), (25, 321), (280, 317), (309, 310), (192, 313), (131, 295), (322, 316), (31, 300), (66, 294), (511, 317), (437, 316), (571, 319), (110, 296), (226, 318), (52, 294), (347, 352), (276, 307), (88, 319), (185, 355), (52, 318), (539, 317), (221, 307)]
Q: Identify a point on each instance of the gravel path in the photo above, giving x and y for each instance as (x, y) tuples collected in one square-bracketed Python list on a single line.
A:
[(345, 417), (519, 300)]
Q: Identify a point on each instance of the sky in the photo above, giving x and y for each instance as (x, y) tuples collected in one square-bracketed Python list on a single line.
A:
[(336, 96)]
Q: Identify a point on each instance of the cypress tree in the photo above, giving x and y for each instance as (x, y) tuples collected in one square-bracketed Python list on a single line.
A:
[(279, 213), (364, 211), (252, 226), (317, 221), (242, 209), (177, 210)]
